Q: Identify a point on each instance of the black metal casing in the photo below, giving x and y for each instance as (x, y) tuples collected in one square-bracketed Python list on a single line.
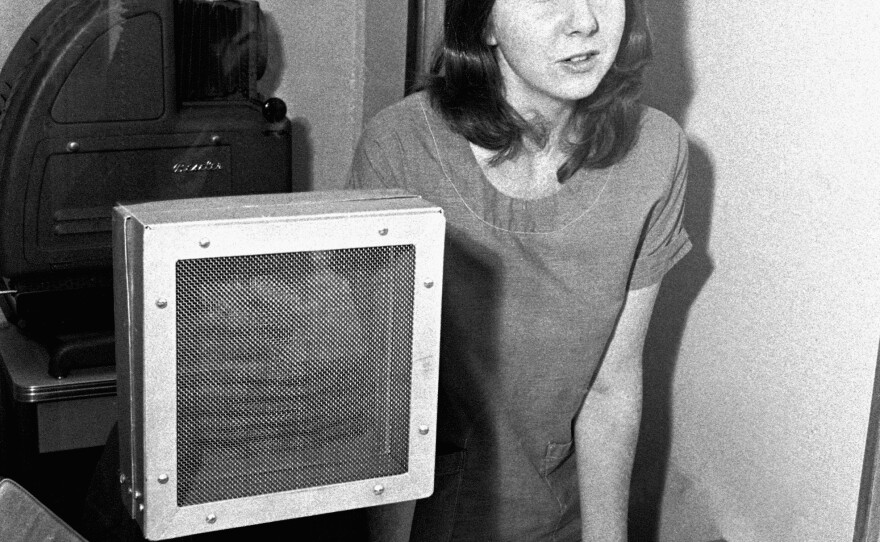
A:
[(123, 101)]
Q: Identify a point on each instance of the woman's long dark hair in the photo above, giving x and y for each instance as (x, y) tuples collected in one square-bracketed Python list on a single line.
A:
[(465, 86)]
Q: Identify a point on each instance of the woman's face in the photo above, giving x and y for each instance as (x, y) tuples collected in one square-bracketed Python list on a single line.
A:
[(553, 52)]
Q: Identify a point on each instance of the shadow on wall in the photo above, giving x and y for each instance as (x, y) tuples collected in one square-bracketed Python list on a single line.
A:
[(303, 152), (669, 87)]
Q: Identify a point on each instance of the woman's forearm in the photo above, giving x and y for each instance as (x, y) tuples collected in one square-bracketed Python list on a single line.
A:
[(607, 426), (605, 435)]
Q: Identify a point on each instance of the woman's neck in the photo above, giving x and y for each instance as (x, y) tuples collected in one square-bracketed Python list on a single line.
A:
[(552, 116), (530, 174)]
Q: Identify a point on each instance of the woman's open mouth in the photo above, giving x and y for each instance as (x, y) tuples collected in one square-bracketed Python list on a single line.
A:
[(581, 58), (580, 62)]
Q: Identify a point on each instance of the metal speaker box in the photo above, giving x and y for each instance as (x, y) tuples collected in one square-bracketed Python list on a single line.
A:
[(277, 355)]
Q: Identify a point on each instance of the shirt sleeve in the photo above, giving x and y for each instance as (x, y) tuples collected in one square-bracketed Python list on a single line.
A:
[(664, 240)]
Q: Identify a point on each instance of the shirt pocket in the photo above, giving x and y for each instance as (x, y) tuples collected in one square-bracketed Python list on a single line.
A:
[(559, 470)]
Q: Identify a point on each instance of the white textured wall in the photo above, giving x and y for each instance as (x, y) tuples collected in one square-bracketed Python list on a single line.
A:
[(16, 15), (343, 61), (761, 393), (322, 83)]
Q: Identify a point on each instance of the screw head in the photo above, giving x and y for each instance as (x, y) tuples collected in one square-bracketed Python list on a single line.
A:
[(163, 478), (378, 489), (141, 507), (429, 284), (72, 146), (122, 478), (211, 518), (204, 242), (424, 429), (383, 231), (161, 302), (215, 139)]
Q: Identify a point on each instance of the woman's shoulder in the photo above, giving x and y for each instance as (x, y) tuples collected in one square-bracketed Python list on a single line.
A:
[(658, 156), (407, 115), (657, 125), (659, 139), (402, 143)]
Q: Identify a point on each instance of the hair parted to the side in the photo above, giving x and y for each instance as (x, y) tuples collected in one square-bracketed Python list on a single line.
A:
[(465, 86)]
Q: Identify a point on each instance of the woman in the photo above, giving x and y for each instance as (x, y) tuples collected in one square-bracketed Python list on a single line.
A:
[(563, 198)]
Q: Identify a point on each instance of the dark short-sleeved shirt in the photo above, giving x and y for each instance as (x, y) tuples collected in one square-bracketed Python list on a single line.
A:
[(532, 291)]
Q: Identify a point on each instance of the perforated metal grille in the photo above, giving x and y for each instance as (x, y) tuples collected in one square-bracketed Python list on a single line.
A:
[(293, 370)]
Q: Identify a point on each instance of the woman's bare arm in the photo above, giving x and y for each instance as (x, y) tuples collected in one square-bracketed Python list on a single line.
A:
[(606, 429)]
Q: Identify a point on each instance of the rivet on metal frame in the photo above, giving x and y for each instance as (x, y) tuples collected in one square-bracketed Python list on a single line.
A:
[(73, 146), (378, 489), (161, 302), (383, 231), (424, 429), (163, 478), (211, 518), (429, 284), (204, 242)]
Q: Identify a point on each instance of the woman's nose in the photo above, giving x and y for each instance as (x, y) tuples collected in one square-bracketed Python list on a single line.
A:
[(581, 17)]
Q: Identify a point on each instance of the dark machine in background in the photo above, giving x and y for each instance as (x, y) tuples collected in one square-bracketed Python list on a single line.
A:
[(107, 101)]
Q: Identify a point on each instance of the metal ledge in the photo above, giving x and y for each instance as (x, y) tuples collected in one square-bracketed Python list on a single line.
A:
[(25, 364)]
